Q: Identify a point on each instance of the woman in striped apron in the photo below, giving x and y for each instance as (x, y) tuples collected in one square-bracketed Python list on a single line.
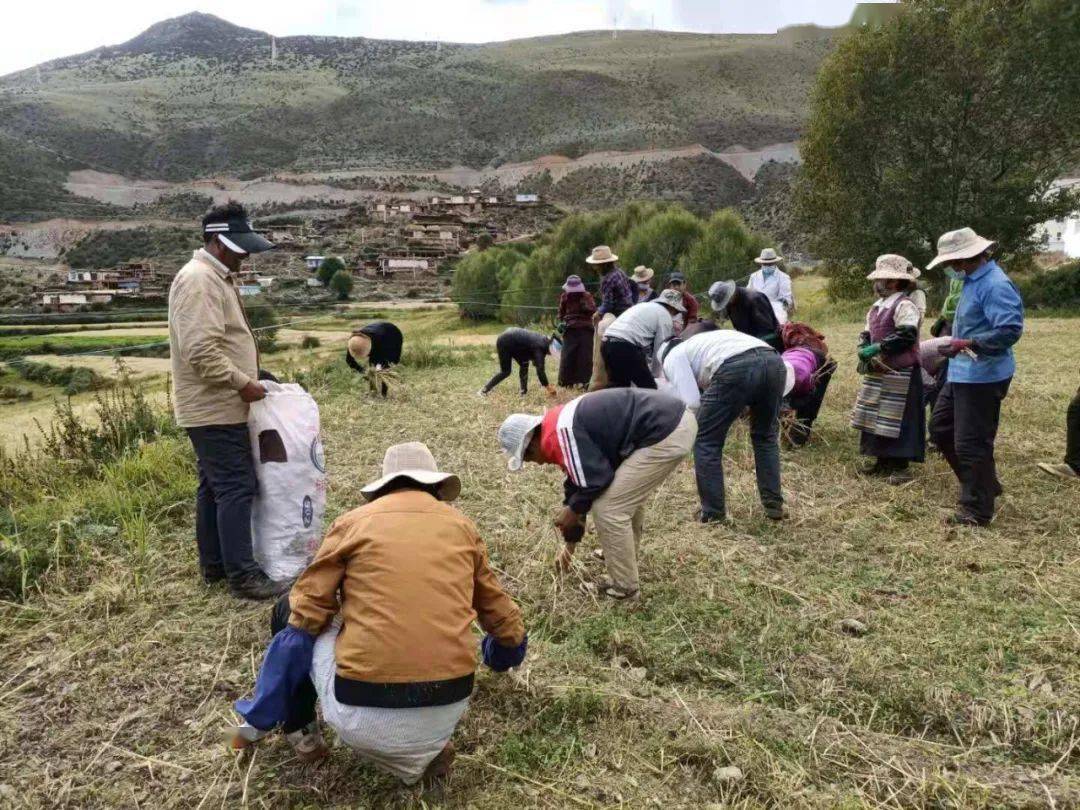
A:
[(889, 407)]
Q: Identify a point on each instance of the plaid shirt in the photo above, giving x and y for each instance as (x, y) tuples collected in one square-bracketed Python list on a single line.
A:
[(616, 293)]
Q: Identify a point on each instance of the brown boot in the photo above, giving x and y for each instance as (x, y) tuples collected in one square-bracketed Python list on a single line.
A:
[(438, 770)]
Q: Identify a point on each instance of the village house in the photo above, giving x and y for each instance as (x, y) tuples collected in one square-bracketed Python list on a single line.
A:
[(66, 301)]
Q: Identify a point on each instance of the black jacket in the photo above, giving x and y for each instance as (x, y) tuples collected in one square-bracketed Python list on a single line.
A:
[(601, 429), (751, 313), (386, 343)]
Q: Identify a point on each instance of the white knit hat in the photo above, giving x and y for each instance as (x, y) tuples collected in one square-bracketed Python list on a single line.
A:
[(413, 460), (514, 435)]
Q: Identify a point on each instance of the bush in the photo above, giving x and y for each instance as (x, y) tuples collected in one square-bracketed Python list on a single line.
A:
[(328, 269), (661, 241), (262, 319), (845, 282), (1057, 288), (13, 393), (310, 342), (72, 379), (478, 284), (725, 251), (342, 284)]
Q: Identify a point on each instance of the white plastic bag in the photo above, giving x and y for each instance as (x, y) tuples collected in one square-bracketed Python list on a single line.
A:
[(286, 516)]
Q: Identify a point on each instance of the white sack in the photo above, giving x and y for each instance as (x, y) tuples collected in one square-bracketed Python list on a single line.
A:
[(286, 517)]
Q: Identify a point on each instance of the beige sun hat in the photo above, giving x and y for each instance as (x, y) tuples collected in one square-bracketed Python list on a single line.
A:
[(601, 254), (768, 256), (414, 461), (890, 265), (673, 299), (359, 346), (643, 274), (961, 244)]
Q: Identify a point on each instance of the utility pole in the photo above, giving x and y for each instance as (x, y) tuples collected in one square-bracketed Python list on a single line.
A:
[(273, 49), (614, 26)]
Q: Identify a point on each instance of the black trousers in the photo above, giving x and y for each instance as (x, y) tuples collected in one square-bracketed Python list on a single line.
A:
[(1072, 433), (227, 486), (626, 364), (964, 426), (506, 361), (301, 709)]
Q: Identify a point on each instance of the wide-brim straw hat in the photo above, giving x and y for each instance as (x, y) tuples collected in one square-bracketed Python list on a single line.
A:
[(414, 461), (359, 346), (514, 435), (961, 244), (573, 284), (892, 266), (673, 299), (601, 254), (720, 294), (768, 256), (643, 274)]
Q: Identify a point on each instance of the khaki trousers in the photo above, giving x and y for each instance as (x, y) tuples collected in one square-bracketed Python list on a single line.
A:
[(599, 368), (620, 512)]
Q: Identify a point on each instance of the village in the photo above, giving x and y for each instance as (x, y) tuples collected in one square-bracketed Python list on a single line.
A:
[(384, 243)]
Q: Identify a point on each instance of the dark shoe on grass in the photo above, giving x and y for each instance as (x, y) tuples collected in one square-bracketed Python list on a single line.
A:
[(775, 511), (259, 586), (964, 519), (722, 520), (213, 575), (898, 477), (438, 770)]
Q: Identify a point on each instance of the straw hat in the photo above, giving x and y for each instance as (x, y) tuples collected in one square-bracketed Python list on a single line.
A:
[(601, 254), (673, 299), (961, 244), (514, 435), (768, 256), (359, 346), (892, 266), (573, 285), (720, 294), (414, 461), (642, 274)]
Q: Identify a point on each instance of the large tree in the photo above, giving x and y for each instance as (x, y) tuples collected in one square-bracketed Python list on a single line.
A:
[(956, 112)]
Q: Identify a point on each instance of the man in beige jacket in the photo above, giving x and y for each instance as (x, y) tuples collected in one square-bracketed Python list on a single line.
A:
[(215, 369)]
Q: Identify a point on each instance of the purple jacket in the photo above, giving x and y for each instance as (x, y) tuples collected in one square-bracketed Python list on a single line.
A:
[(617, 294)]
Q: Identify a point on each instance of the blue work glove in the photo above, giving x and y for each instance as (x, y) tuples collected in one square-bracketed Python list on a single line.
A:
[(500, 658), (868, 352)]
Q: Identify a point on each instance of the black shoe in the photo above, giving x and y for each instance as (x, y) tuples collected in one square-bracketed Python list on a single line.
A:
[(775, 511), (873, 470), (722, 520), (900, 477), (259, 586), (964, 519), (213, 575)]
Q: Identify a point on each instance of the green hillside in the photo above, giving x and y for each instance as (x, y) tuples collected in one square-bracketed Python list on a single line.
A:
[(197, 96)]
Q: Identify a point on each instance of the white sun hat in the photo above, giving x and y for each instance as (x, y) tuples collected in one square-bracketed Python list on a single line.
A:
[(414, 461), (601, 254), (890, 265), (961, 244), (769, 256), (514, 435)]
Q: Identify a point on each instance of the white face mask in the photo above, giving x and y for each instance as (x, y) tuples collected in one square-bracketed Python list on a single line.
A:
[(556, 346)]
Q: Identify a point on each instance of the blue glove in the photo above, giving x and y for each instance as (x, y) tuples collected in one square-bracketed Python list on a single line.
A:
[(286, 664), (500, 658)]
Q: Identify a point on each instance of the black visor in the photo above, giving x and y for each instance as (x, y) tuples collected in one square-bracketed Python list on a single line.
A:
[(238, 236)]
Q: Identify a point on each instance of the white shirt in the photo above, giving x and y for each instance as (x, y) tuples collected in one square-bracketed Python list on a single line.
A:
[(690, 366), (777, 287), (907, 312), (646, 325)]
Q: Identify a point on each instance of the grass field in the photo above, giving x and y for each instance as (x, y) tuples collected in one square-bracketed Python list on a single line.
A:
[(118, 671)]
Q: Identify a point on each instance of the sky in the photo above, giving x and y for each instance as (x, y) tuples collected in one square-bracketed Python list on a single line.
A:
[(40, 30)]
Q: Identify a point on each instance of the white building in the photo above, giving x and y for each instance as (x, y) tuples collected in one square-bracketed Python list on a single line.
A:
[(314, 262), (1062, 235), (526, 198)]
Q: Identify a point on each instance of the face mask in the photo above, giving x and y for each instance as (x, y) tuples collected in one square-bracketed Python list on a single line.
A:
[(556, 346), (768, 270), (882, 289)]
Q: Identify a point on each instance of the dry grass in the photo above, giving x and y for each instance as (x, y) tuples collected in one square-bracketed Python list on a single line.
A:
[(963, 692)]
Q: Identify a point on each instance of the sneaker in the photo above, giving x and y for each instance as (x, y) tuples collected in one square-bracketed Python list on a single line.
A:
[(259, 586), (438, 770), (308, 744), (722, 520), (1059, 470), (775, 511)]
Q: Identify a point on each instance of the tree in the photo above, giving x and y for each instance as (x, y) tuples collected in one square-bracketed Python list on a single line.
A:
[(328, 269), (956, 112), (725, 251), (477, 286), (262, 319), (660, 241), (341, 283)]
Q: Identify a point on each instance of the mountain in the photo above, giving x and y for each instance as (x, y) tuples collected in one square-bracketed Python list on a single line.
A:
[(197, 96)]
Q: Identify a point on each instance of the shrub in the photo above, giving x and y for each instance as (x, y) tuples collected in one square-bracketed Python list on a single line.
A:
[(262, 319), (72, 379), (661, 241), (12, 393), (725, 251), (478, 284), (310, 342), (1055, 288), (328, 269), (342, 284)]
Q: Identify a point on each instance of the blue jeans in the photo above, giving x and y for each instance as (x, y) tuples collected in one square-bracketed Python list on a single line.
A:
[(227, 486), (755, 380)]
